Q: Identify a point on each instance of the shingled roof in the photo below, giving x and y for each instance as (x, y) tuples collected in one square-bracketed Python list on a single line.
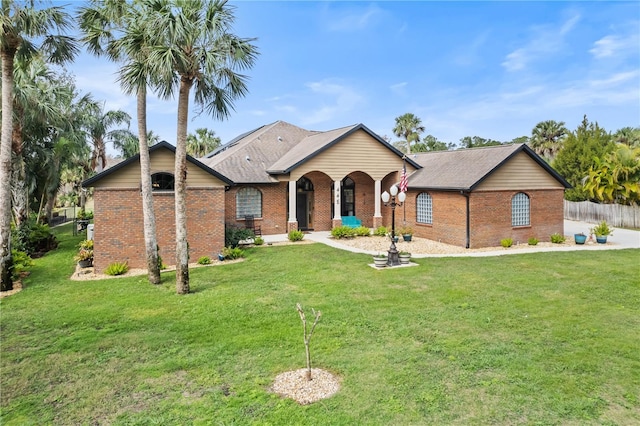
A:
[(465, 169)]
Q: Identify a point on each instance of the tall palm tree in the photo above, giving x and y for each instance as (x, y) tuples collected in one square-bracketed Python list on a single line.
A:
[(21, 24), (197, 51), (99, 126), (409, 127), (118, 29), (629, 136), (547, 138), (202, 142)]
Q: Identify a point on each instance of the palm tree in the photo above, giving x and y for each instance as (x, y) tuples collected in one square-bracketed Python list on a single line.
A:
[(130, 146), (202, 142), (197, 51), (629, 136), (22, 22), (409, 127), (99, 126), (547, 138), (101, 24)]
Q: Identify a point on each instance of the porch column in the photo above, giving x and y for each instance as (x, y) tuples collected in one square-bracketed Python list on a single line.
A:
[(377, 215), (292, 223), (337, 218)]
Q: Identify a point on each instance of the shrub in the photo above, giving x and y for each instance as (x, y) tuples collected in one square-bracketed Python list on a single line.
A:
[(117, 268), (602, 229), (405, 230), (232, 253), (85, 251), (84, 215), (506, 242), (343, 232), (258, 241), (533, 241), (362, 231), (204, 260), (296, 235), (33, 237), (20, 262), (557, 238), (380, 231), (233, 235)]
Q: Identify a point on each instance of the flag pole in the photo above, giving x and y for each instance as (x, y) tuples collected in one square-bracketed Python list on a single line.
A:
[(404, 205)]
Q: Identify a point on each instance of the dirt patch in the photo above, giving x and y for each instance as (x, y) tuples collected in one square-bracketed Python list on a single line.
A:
[(294, 385)]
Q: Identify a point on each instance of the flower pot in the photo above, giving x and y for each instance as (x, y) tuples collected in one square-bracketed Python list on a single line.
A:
[(602, 239), (395, 239), (406, 237), (380, 262), (580, 238), (85, 263), (404, 259)]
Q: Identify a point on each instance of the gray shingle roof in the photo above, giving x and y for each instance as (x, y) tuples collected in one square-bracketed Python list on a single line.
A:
[(464, 169)]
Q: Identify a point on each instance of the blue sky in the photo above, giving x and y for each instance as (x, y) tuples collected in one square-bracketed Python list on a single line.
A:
[(488, 69)]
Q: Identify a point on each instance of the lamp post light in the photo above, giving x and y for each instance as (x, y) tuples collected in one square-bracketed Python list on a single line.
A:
[(393, 200)]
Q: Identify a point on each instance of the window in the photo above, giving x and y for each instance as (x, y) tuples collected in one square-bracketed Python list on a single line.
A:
[(520, 210), (424, 208), (162, 182), (248, 202)]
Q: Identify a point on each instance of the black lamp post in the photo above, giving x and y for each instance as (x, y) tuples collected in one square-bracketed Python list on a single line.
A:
[(390, 200)]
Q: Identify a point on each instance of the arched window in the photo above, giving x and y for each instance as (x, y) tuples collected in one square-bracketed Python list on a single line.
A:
[(248, 202), (424, 208), (162, 181), (520, 210)]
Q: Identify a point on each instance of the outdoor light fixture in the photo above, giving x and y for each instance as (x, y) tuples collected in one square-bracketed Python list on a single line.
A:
[(390, 200)]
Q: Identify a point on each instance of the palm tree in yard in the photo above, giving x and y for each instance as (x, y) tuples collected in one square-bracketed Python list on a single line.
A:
[(202, 142), (197, 51), (118, 29), (547, 137), (22, 23), (409, 127), (100, 130)]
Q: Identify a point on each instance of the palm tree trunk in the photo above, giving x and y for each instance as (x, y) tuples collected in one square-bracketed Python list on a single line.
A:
[(5, 170), (19, 191), (182, 247), (149, 217)]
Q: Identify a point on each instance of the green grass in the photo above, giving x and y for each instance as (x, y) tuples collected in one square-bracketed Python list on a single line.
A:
[(536, 339)]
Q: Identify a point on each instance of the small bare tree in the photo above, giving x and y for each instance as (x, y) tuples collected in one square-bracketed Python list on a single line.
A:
[(307, 337)]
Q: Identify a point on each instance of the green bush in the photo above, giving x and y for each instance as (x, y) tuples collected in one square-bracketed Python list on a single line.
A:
[(233, 235), (21, 261), (258, 241), (506, 242), (557, 238), (380, 231), (602, 229), (362, 231), (204, 260), (533, 241), (343, 232), (33, 237), (231, 253), (117, 268), (296, 235)]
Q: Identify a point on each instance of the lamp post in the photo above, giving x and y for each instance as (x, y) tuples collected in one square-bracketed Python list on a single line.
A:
[(390, 200)]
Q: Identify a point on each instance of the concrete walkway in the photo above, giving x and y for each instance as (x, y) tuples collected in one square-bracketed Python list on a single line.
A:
[(620, 239)]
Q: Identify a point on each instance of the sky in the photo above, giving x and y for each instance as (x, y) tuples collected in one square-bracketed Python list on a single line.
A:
[(488, 69)]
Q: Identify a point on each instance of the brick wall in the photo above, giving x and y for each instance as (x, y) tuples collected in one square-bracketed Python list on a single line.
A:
[(119, 233), (490, 217)]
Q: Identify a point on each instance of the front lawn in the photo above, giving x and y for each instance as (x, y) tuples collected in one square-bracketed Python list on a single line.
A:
[(548, 338)]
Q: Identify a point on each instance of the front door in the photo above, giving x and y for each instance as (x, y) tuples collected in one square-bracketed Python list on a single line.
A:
[(302, 210)]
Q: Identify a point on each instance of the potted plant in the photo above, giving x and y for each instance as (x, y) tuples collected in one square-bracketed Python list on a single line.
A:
[(580, 238), (380, 260), (602, 230), (405, 257), (406, 232), (393, 237), (85, 254)]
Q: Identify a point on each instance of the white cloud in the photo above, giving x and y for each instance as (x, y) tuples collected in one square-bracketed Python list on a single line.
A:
[(334, 100), (615, 45), (399, 88), (354, 19)]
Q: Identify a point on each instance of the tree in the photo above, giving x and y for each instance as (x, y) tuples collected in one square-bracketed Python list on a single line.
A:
[(616, 178), (22, 23), (202, 142), (131, 145), (431, 143), (119, 30), (547, 137), (629, 136), (409, 127), (197, 51), (577, 156), (477, 142), (99, 126)]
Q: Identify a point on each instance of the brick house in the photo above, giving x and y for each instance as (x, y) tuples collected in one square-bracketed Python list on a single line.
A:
[(291, 178)]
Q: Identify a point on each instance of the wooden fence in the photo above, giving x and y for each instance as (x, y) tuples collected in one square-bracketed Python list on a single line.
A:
[(615, 214)]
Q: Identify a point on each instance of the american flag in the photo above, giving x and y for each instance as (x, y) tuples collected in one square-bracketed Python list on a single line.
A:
[(404, 183)]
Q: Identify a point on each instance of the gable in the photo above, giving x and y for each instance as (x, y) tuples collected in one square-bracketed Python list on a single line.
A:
[(519, 172), (358, 151), (162, 160)]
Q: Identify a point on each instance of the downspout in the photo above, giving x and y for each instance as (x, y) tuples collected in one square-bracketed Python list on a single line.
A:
[(466, 195)]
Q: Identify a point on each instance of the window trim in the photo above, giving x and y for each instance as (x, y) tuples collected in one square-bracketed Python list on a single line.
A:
[(247, 212), (163, 175), (428, 214)]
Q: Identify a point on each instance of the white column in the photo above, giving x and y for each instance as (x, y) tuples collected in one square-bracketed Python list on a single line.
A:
[(336, 200), (292, 201), (377, 193)]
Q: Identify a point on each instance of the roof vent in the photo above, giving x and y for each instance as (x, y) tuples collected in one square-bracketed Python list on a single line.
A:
[(279, 139), (247, 158)]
